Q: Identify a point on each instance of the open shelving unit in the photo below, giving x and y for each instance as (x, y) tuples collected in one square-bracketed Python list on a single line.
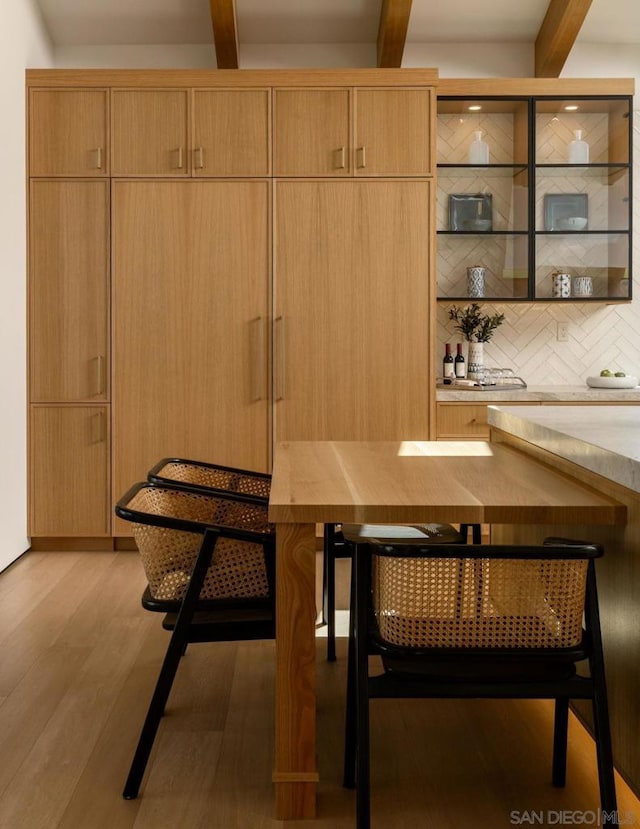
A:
[(529, 212)]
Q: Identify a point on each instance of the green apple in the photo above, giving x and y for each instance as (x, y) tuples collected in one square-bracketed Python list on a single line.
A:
[(620, 374), (606, 373)]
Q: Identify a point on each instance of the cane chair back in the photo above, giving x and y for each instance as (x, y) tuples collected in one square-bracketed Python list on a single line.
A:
[(209, 476)]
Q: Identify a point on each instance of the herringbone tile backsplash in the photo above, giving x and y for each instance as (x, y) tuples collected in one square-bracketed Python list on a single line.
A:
[(600, 335)]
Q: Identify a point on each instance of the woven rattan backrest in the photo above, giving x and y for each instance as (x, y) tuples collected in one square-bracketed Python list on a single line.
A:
[(480, 602), (213, 477), (238, 568)]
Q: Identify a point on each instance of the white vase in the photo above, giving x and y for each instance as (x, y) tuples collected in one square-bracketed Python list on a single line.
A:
[(475, 366), (578, 149), (478, 149)]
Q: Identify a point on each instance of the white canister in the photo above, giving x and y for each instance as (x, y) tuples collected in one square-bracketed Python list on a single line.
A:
[(475, 281), (582, 286), (560, 285)]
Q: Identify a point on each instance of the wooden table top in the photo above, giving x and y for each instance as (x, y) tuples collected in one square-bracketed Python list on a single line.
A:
[(423, 481)]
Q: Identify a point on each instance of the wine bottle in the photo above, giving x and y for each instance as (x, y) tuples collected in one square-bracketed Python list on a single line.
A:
[(448, 369), (460, 367)]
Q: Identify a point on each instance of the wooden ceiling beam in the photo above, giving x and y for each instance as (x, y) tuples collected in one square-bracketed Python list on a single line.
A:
[(392, 32), (225, 32), (558, 33)]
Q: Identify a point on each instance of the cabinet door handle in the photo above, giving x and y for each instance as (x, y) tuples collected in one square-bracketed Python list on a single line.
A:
[(99, 427), (339, 159), (98, 158), (280, 364), (362, 158), (100, 375), (180, 163), (258, 369), (199, 158)]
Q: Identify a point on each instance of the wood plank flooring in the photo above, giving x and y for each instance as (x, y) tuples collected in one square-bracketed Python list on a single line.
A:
[(79, 658)]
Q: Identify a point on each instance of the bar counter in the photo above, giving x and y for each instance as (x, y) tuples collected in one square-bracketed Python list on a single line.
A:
[(598, 446)]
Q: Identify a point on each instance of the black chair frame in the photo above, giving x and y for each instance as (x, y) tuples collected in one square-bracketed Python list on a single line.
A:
[(364, 640), (194, 619)]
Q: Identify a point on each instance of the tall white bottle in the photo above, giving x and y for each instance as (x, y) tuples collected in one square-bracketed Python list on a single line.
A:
[(578, 149), (478, 150)]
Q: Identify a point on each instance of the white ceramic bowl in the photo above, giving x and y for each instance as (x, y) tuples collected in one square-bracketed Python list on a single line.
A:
[(612, 382), (572, 223)]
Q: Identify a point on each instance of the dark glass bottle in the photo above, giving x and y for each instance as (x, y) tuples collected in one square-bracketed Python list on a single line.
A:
[(460, 367), (448, 369)]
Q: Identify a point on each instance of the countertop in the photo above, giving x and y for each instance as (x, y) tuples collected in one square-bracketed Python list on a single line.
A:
[(603, 439), (560, 394)]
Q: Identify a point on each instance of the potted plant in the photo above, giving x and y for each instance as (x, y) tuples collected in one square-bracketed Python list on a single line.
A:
[(477, 328)]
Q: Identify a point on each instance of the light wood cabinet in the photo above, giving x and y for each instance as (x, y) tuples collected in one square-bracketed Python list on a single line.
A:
[(191, 282), (69, 290), (150, 132), (68, 131), (312, 132), (231, 132), (393, 135), (156, 326), (466, 421), (391, 131), (352, 310), (153, 135), (69, 471)]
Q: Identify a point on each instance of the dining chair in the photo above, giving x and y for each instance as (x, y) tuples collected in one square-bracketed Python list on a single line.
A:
[(456, 621), (339, 543), (209, 560)]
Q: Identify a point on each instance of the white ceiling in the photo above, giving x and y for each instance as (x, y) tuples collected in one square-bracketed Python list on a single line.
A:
[(111, 22)]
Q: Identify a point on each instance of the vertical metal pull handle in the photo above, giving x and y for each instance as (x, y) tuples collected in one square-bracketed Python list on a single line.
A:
[(99, 427), (180, 163), (199, 158), (99, 158), (362, 158), (280, 361), (339, 160), (100, 375), (258, 366)]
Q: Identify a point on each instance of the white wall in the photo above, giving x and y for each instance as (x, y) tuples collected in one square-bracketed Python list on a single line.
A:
[(23, 43)]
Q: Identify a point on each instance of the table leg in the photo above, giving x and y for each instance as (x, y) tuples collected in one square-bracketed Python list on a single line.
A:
[(295, 775)]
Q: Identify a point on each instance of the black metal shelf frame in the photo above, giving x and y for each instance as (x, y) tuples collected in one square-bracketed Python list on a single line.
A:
[(532, 167)]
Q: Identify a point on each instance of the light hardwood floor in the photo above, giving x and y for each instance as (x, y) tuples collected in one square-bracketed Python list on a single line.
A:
[(79, 658)]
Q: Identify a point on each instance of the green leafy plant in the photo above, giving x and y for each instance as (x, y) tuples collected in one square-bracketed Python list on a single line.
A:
[(473, 324)]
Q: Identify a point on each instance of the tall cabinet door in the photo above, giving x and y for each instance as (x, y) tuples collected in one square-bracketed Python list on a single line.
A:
[(69, 290), (191, 276), (352, 314)]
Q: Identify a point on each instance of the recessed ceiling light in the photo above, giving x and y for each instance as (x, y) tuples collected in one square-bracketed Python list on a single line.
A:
[(474, 108), (571, 107)]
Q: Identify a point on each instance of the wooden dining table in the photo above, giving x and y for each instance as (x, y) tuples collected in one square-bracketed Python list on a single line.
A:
[(404, 482)]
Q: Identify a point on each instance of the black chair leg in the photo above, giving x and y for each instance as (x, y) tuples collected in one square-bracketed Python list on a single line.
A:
[(179, 638), (349, 775), (329, 592), (476, 533), (560, 734), (363, 782), (601, 725)]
